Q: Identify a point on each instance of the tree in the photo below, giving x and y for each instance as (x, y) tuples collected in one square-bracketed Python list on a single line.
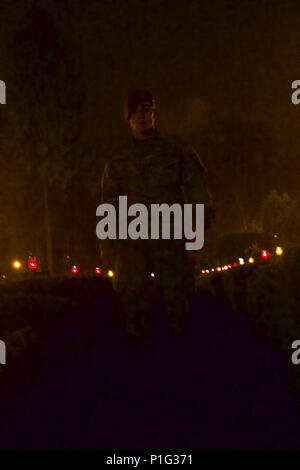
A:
[(242, 158), (280, 215), (46, 108)]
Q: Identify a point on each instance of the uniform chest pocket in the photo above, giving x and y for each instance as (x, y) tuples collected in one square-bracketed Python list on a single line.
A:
[(163, 174)]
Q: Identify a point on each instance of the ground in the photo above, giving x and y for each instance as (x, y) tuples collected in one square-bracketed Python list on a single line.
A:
[(218, 387)]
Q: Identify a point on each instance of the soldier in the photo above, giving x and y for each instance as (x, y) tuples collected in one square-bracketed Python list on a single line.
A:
[(152, 168)]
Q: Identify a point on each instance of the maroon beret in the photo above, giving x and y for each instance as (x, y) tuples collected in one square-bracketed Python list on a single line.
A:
[(134, 98)]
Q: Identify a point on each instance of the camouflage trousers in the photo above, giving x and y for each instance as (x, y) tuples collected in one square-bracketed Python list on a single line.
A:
[(173, 280)]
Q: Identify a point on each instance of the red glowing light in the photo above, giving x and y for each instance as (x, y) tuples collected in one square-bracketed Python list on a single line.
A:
[(264, 254), (234, 265), (32, 264), (74, 269), (97, 270)]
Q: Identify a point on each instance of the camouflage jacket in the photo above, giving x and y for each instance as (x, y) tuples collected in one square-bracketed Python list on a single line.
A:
[(162, 169)]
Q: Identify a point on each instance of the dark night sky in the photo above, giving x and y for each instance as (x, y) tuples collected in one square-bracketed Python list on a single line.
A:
[(232, 59), (204, 60), (207, 62)]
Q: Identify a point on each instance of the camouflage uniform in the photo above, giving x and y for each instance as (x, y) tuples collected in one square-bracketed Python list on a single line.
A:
[(162, 169)]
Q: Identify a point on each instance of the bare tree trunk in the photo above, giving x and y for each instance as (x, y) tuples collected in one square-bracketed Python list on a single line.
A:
[(48, 234)]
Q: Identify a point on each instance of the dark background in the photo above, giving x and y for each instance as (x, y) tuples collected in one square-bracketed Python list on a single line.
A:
[(221, 72)]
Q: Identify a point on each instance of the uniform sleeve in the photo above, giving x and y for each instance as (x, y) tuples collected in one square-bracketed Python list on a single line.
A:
[(194, 183), (109, 185), (110, 192)]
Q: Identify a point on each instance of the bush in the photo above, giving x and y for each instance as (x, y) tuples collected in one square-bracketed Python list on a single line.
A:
[(273, 298), (269, 293), (231, 246)]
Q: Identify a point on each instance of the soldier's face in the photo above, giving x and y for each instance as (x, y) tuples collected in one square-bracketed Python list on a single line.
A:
[(143, 118)]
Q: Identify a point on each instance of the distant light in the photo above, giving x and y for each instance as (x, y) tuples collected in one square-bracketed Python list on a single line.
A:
[(110, 273), (74, 269), (275, 236), (241, 261), (4, 277), (279, 250), (97, 270), (234, 265), (223, 268), (218, 268), (152, 275), (203, 271), (264, 254), (229, 266), (16, 264), (32, 264), (226, 267), (207, 271), (251, 260), (212, 270)]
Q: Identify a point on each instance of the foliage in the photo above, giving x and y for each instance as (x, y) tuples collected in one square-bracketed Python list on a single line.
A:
[(269, 293), (231, 246), (280, 215), (243, 161), (49, 96)]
